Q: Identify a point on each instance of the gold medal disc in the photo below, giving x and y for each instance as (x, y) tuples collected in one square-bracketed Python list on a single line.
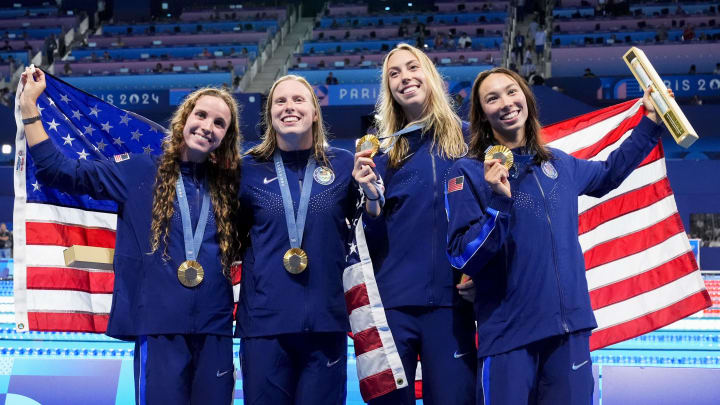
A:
[(502, 153), (368, 142), (190, 273), (295, 261)]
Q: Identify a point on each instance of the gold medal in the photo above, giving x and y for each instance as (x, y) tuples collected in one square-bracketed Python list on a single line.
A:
[(500, 152), (190, 273), (295, 260), (368, 142)]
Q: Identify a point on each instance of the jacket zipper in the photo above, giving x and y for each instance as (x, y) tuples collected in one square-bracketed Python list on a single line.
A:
[(552, 240), (434, 210)]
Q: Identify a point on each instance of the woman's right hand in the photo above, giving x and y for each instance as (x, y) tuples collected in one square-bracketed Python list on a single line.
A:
[(496, 175), (34, 84), (364, 174)]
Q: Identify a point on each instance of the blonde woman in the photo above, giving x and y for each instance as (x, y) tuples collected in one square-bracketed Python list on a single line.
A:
[(181, 323), (297, 195), (423, 136)]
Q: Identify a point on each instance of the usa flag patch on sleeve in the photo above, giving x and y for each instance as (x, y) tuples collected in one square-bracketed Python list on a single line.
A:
[(455, 184), (123, 156)]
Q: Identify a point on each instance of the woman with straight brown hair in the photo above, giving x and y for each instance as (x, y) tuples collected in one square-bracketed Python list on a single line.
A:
[(514, 229), (423, 136)]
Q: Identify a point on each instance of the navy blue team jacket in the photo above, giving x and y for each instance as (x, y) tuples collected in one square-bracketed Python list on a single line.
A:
[(273, 301), (407, 240), (147, 299), (523, 252)]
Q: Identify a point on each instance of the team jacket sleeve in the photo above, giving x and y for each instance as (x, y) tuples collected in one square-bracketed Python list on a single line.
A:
[(597, 178), (478, 220), (100, 179)]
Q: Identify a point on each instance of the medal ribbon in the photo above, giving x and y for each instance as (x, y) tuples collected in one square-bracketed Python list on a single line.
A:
[(192, 242), (397, 134), (295, 227)]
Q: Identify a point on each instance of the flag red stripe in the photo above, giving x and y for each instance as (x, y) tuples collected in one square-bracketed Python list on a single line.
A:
[(376, 385), (67, 322), (642, 283), (569, 126), (366, 341), (356, 297), (633, 243), (623, 204), (62, 278), (650, 322), (44, 233), (610, 138)]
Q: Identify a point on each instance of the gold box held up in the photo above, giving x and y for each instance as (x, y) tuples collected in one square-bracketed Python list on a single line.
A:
[(666, 106), (89, 257)]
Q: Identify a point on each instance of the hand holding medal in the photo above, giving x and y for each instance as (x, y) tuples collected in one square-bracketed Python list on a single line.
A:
[(498, 161), (363, 167)]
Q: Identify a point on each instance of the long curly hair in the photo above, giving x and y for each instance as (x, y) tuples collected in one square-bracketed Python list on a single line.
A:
[(482, 133), (438, 114), (223, 167), (266, 148)]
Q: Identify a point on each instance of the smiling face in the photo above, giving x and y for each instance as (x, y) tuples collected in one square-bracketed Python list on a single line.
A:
[(505, 107), (205, 128), (293, 114), (406, 80)]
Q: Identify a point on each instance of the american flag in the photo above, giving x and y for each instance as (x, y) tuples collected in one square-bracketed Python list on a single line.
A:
[(48, 294), (641, 272), (378, 363), (455, 184)]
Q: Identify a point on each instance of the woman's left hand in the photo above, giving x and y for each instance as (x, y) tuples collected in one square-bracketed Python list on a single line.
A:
[(649, 107), (467, 290)]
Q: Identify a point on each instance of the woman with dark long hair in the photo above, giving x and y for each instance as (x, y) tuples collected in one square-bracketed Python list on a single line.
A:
[(176, 238), (514, 229)]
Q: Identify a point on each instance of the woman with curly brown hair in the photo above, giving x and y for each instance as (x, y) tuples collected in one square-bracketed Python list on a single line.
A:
[(172, 295)]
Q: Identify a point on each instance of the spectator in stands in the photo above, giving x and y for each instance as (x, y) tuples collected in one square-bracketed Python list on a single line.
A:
[(158, 68), (527, 68), (6, 241), (688, 34), (717, 69), (244, 51), (423, 299), (361, 61), (588, 73), (540, 37), (330, 79), (6, 46), (439, 41), (229, 66), (214, 67), (106, 56), (205, 53), (171, 67), (464, 41), (692, 70), (662, 33), (27, 46), (67, 70), (233, 53), (518, 47), (696, 100)]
